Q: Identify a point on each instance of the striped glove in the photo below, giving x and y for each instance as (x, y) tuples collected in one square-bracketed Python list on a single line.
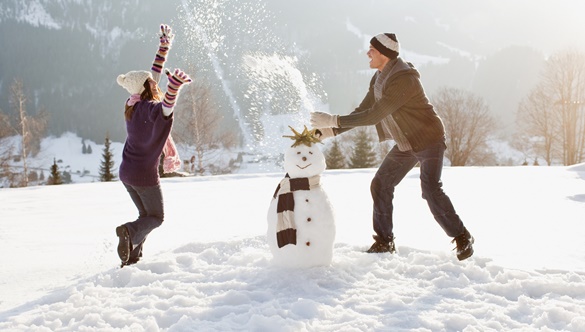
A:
[(166, 38), (176, 80)]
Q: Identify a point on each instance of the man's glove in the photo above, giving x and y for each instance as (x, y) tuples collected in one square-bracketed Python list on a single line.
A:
[(176, 80), (323, 133), (324, 120)]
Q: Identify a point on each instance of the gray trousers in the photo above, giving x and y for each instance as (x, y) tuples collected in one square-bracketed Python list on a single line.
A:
[(149, 202)]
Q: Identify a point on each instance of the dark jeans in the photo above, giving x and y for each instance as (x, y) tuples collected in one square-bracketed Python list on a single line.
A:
[(394, 168), (149, 202)]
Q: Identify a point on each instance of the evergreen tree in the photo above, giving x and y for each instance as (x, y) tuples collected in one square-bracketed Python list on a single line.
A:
[(107, 163), (83, 148), (55, 177), (89, 151), (364, 155), (334, 158)]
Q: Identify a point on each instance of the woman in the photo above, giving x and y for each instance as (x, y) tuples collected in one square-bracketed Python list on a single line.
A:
[(149, 120)]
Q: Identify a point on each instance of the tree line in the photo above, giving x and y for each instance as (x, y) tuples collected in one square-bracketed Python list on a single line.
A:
[(551, 127), (550, 122)]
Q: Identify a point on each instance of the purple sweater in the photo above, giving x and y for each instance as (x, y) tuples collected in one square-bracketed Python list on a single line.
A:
[(147, 132)]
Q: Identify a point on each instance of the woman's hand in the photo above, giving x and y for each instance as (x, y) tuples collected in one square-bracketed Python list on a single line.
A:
[(166, 36), (176, 80)]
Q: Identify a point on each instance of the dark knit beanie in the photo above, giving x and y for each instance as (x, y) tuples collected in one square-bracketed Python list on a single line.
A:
[(387, 44)]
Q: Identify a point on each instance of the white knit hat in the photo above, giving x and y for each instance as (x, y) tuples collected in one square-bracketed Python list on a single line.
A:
[(133, 81)]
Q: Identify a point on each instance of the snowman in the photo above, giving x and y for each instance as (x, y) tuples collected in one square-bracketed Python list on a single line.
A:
[(301, 225)]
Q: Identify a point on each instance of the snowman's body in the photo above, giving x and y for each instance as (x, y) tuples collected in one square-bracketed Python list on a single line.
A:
[(313, 214)]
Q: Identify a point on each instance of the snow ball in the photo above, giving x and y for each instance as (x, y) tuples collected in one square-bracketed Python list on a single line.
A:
[(305, 308)]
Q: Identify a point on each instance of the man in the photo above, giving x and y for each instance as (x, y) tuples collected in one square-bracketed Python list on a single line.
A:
[(397, 105)]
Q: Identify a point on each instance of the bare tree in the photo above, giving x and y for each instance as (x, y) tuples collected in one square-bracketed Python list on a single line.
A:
[(198, 125), (18, 101), (30, 128), (564, 82), (468, 126), (553, 114), (37, 128), (538, 126)]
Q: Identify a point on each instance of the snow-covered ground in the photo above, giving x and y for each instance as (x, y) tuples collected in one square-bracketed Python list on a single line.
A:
[(208, 267)]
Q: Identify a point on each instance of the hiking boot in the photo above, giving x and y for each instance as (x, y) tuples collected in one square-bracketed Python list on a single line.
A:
[(381, 246), (124, 243), (464, 245)]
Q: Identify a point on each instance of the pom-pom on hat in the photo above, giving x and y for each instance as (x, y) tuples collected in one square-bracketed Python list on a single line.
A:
[(387, 44), (133, 81)]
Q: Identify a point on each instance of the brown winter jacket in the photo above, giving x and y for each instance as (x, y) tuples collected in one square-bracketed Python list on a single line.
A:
[(403, 99)]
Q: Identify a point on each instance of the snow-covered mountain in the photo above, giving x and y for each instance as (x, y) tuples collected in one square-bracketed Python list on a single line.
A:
[(68, 52)]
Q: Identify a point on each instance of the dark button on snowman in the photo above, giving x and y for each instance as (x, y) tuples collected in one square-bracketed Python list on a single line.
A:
[(301, 224)]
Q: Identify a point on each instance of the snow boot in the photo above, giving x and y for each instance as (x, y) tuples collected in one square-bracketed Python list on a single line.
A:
[(381, 246), (464, 245), (131, 261), (124, 243)]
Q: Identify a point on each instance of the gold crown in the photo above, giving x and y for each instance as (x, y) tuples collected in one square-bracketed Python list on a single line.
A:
[(307, 137)]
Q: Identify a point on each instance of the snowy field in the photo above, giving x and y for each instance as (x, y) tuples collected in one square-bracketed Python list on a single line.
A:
[(208, 267)]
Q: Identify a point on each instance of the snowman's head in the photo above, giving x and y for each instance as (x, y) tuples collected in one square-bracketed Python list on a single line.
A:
[(304, 158)]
